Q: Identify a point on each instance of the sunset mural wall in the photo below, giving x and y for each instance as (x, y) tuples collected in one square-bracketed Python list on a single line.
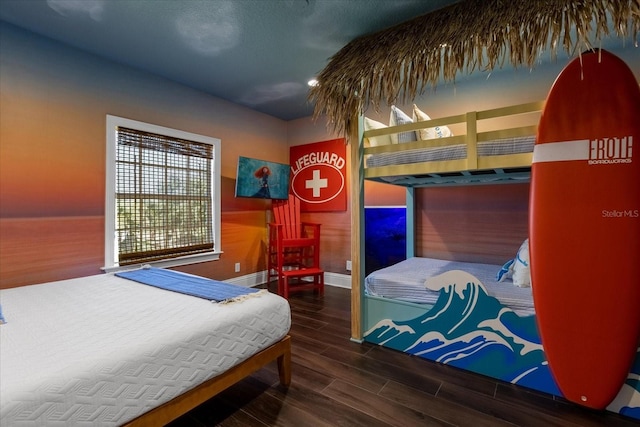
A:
[(53, 105)]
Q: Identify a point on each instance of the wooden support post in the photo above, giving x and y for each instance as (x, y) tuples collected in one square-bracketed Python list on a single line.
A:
[(357, 227), (472, 141)]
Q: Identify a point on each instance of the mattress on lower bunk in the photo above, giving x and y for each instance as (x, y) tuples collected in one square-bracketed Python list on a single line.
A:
[(405, 281), (516, 145), (102, 350)]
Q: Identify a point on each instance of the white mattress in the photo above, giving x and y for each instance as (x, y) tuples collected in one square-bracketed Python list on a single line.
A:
[(406, 281), (102, 350), (453, 152)]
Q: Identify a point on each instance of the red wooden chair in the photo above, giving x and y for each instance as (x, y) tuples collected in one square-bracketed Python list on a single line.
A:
[(294, 249)]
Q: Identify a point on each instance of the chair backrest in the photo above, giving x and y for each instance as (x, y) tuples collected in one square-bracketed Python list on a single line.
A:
[(287, 213)]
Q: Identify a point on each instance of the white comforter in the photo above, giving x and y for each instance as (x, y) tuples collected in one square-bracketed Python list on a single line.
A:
[(102, 350), (406, 281)]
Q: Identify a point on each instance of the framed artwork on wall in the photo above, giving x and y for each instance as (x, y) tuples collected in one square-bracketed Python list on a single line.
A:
[(385, 236), (262, 179)]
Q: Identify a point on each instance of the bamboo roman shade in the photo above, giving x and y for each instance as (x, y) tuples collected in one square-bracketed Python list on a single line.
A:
[(163, 197)]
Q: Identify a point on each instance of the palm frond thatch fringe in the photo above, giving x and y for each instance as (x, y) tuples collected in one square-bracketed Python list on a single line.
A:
[(396, 64)]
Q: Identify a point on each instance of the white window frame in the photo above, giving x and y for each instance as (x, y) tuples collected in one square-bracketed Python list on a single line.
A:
[(110, 247)]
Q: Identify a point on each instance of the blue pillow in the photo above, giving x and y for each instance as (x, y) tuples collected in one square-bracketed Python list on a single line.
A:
[(506, 272)]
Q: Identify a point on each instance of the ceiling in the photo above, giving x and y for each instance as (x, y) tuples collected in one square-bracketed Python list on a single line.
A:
[(256, 53)]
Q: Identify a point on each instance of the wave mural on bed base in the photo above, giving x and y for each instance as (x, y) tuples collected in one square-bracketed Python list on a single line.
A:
[(469, 329)]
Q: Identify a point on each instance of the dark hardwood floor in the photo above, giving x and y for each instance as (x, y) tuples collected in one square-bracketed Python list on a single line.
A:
[(337, 382)]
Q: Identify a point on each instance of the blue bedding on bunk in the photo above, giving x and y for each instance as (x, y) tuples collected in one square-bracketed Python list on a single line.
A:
[(200, 287)]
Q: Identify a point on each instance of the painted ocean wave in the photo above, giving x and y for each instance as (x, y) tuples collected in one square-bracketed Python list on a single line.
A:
[(627, 402), (472, 330)]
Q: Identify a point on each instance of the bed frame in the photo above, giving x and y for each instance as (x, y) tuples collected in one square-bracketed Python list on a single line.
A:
[(279, 352)]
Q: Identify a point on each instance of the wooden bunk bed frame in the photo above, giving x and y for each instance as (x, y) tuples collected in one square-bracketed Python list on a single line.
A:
[(472, 170), (279, 352), (459, 171)]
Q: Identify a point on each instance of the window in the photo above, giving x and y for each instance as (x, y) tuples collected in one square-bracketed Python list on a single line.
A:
[(163, 196)]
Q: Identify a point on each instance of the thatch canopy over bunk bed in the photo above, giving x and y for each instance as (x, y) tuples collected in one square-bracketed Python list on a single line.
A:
[(402, 62), (396, 64)]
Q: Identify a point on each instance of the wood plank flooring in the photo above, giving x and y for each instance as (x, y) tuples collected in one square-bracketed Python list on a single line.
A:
[(337, 382)]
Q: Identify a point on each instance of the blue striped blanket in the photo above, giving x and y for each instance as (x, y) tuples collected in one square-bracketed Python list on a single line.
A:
[(175, 281)]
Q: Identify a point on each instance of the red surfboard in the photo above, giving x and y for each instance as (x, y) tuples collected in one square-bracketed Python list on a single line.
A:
[(584, 227)]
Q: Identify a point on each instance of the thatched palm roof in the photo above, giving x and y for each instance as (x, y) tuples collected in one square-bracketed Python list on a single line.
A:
[(396, 64)]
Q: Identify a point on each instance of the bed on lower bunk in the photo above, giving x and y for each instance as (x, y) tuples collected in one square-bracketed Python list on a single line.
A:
[(108, 350), (407, 281)]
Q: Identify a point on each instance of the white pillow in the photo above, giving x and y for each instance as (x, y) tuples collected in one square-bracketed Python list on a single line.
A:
[(429, 133), (397, 118), (375, 141), (517, 269), (521, 269)]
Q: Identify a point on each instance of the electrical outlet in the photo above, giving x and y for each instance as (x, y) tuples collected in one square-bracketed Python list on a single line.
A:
[(348, 265), (237, 268)]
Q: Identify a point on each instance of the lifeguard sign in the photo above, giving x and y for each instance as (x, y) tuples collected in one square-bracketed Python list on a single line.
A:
[(318, 175)]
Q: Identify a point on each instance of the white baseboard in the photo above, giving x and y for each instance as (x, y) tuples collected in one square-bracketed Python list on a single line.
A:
[(338, 280), (260, 277), (249, 280)]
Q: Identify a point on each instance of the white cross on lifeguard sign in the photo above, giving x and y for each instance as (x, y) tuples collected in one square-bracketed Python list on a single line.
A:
[(316, 183)]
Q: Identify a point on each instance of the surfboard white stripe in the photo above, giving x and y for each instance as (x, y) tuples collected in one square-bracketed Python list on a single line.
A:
[(561, 151)]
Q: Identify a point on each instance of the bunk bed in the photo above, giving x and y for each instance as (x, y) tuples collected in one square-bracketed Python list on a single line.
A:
[(399, 290), (107, 350), (458, 313)]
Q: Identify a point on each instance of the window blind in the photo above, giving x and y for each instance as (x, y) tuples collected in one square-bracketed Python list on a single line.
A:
[(163, 197)]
